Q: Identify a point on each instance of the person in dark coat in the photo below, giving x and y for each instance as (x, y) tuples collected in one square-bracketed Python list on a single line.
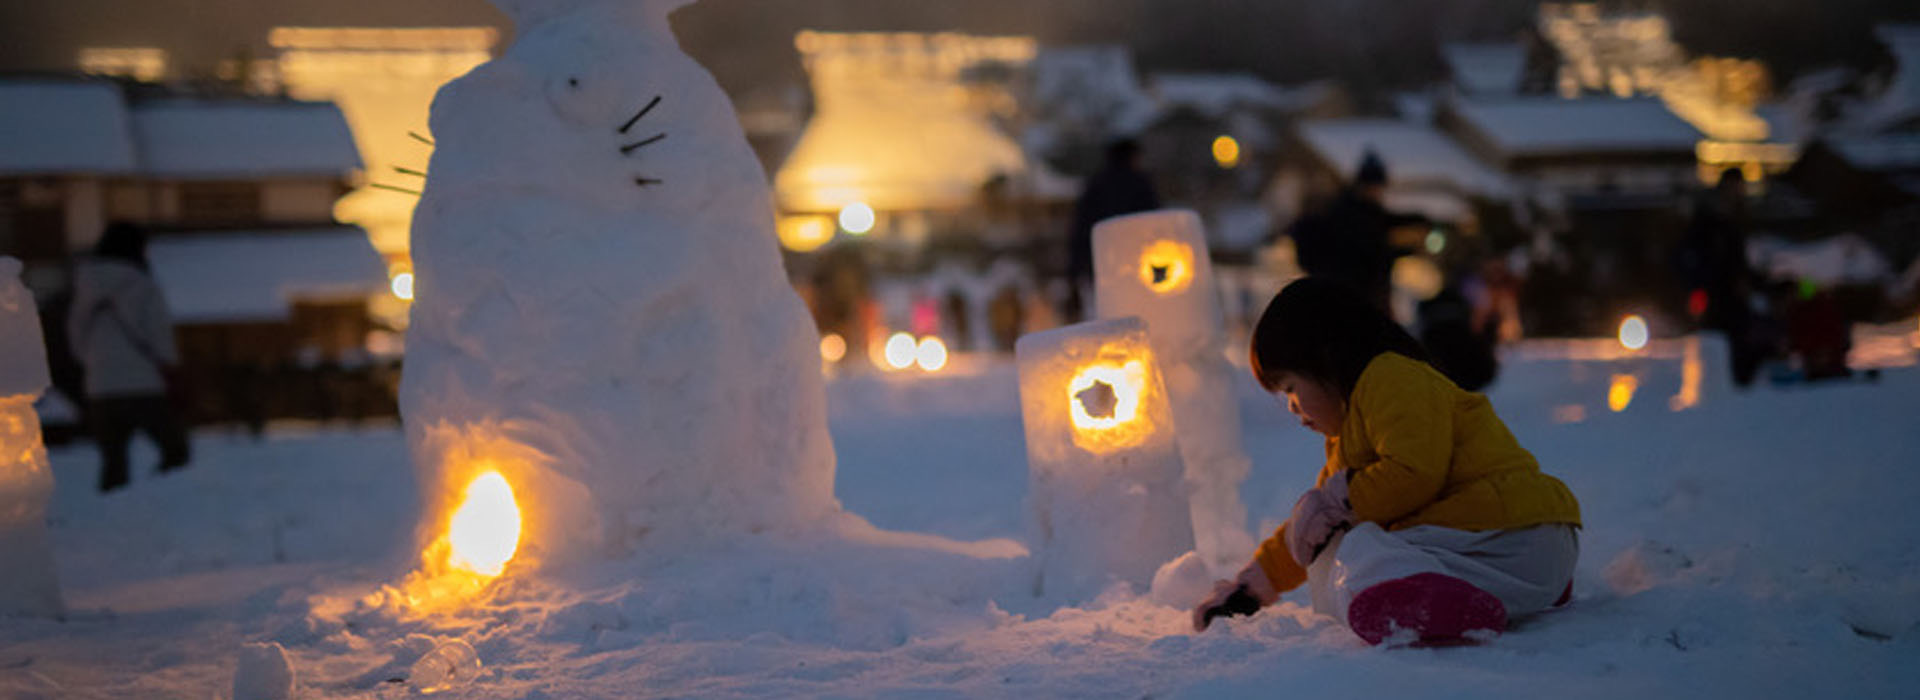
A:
[(1715, 259), (1350, 241), (122, 335), (1120, 188)]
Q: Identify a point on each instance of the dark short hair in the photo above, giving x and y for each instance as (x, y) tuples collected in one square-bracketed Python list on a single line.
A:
[(1324, 330), (1122, 151), (123, 240)]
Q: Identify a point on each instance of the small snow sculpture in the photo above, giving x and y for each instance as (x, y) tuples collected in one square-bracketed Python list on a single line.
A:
[(1106, 493), (27, 586), (601, 311), (1155, 266), (263, 673)]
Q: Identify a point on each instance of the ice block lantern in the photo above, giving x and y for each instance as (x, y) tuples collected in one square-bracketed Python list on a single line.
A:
[(28, 586), (1155, 266), (1106, 493)]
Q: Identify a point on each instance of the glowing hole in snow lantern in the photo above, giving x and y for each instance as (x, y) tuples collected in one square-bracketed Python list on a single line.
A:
[(1105, 401), (403, 286), (857, 218), (804, 234), (1166, 266), (484, 532), (1620, 394), (1226, 152), (901, 350), (931, 354), (1633, 333), (1691, 372), (833, 348)]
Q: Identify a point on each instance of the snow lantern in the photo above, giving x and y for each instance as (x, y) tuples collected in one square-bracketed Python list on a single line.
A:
[(604, 341), (26, 482), (1106, 492), (1155, 266)]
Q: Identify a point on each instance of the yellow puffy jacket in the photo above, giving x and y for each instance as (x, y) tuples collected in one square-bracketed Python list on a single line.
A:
[(1426, 452)]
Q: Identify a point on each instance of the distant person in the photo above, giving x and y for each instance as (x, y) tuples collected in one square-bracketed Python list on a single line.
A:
[(122, 336), (1350, 241), (1714, 261), (1428, 517), (1120, 188), (1461, 341)]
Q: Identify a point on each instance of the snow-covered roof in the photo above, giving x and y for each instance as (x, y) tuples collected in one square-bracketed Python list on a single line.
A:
[(1486, 69), (64, 126), (1415, 154), (1530, 126), (1900, 101), (1214, 94), (255, 276), (1846, 258), (239, 138), (1885, 152)]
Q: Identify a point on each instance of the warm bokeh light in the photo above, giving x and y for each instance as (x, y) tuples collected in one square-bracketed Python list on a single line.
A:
[(1226, 152), (484, 532), (833, 348), (931, 354), (1105, 396), (1633, 333), (805, 234), (1692, 371), (901, 350), (403, 286), (1620, 394), (857, 218), (1166, 266)]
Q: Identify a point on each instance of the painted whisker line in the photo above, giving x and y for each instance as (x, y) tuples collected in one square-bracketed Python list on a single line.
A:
[(648, 181), (643, 113), (408, 171), (391, 188), (422, 139), (648, 142)]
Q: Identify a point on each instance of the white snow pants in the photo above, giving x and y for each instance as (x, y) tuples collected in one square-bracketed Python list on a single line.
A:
[(1527, 568)]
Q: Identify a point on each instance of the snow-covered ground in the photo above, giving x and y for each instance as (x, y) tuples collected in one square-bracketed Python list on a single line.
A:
[(1757, 544)]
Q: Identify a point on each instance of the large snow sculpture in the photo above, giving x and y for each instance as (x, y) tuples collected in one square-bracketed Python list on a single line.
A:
[(1105, 479), (1155, 266), (28, 586), (602, 316)]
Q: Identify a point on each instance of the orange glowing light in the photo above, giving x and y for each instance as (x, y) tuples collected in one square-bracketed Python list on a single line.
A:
[(1691, 372), (484, 531), (1105, 403), (1226, 152), (805, 234), (1620, 394), (833, 348), (1166, 266)]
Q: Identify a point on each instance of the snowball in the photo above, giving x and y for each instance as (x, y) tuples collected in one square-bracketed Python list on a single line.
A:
[(263, 673), (1183, 582)]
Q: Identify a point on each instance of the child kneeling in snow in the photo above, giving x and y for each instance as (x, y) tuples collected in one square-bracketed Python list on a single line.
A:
[(1429, 522)]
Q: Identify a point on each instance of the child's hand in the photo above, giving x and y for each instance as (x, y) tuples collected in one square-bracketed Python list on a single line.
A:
[(1317, 516), (1244, 595)]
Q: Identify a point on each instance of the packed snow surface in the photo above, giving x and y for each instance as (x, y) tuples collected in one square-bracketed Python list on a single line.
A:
[(1751, 545)]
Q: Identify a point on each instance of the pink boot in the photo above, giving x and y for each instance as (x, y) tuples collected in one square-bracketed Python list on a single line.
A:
[(1440, 609)]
